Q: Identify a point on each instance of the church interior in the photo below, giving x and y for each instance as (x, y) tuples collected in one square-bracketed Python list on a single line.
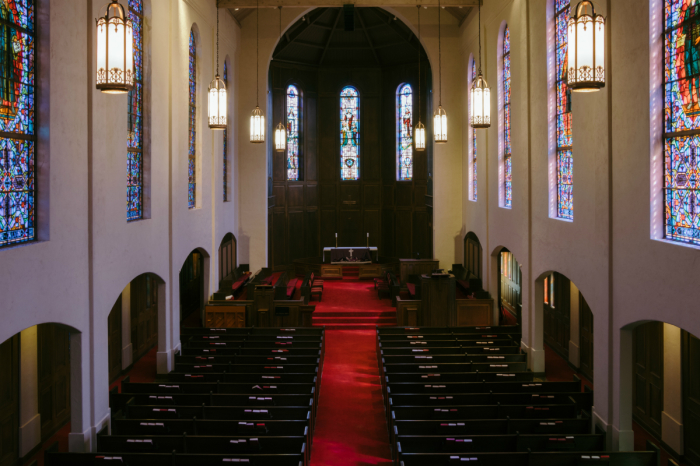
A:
[(321, 261)]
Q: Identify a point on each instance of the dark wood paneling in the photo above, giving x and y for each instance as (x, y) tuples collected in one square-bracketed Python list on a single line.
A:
[(350, 195), (388, 233), (311, 248), (372, 195), (388, 198), (295, 194), (144, 304), (9, 401), (311, 195), (472, 255), (328, 197), (114, 339), (420, 234), (402, 240), (328, 227), (371, 226), (279, 192), (403, 195), (557, 315), (54, 377), (296, 225), (279, 236), (648, 388), (691, 397), (419, 192), (350, 227)]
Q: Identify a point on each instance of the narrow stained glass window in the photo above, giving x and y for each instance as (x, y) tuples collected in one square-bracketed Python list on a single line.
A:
[(134, 163), (404, 132), (293, 117), (682, 121), (191, 163), (565, 161), (17, 131), (226, 141), (507, 165), (474, 185), (349, 134)]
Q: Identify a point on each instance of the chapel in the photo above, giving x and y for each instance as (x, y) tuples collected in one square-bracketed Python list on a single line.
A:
[(254, 232)]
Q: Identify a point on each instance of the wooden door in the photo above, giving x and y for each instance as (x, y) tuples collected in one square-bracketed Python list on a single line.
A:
[(510, 276), (227, 256), (9, 401), (648, 393), (114, 339), (144, 314), (472, 255), (585, 337), (557, 313), (691, 397), (54, 377)]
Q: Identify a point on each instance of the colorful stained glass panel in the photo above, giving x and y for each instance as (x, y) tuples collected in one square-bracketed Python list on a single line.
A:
[(474, 178), (134, 127), (507, 162), (293, 116), (191, 187), (565, 187), (225, 161), (349, 134), (404, 132), (565, 204)]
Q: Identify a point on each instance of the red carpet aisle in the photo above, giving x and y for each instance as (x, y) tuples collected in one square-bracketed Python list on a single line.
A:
[(352, 304), (350, 424)]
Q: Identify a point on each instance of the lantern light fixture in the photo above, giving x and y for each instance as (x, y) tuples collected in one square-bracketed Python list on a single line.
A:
[(217, 92), (419, 131), (115, 51), (480, 95), (440, 117), (257, 119), (280, 131), (586, 39)]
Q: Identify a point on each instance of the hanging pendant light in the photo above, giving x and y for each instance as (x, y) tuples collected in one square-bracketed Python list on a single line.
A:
[(481, 95), (115, 51), (419, 131), (440, 117), (217, 92), (257, 119), (280, 132), (586, 39)]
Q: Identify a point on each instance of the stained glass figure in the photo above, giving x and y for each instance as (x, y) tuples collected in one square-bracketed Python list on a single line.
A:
[(682, 114), (134, 127), (17, 155), (293, 118), (474, 178), (404, 132), (191, 164), (349, 134), (565, 161), (226, 142), (507, 162)]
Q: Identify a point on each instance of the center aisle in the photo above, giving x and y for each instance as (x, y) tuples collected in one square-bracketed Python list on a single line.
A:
[(350, 424)]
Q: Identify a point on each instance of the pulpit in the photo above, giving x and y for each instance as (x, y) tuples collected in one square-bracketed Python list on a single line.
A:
[(438, 301)]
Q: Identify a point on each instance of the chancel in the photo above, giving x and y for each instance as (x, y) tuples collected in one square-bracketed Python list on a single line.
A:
[(236, 231)]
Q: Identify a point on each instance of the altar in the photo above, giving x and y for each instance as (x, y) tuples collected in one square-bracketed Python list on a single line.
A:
[(352, 255)]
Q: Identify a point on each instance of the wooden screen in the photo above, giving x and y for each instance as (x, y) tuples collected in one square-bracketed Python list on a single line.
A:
[(227, 256), (472, 255), (114, 339), (144, 314), (511, 279), (648, 391), (9, 401), (585, 337), (691, 397), (557, 314), (54, 377)]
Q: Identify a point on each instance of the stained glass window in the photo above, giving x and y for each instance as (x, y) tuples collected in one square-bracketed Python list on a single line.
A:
[(17, 132), (134, 128), (226, 141), (507, 165), (565, 161), (682, 121), (191, 164), (404, 132), (293, 118), (474, 190), (349, 134)]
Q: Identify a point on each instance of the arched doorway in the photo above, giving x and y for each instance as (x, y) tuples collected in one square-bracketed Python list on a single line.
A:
[(227, 256), (193, 280), (473, 253), (510, 279)]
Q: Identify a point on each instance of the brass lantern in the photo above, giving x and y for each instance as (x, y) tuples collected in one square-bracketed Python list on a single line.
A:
[(419, 136), (586, 39), (481, 103), (217, 92), (257, 126), (257, 119), (440, 125), (115, 51), (280, 138)]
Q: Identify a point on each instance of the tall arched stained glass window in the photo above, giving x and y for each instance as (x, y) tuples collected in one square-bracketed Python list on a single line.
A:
[(349, 134), (404, 133), (682, 121), (474, 190), (565, 160), (191, 159), (134, 163), (293, 118), (226, 140), (17, 131), (507, 165)]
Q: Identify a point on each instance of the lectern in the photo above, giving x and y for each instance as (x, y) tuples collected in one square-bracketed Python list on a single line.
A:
[(438, 300)]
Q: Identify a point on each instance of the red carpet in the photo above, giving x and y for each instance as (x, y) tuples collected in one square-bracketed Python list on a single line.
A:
[(352, 304), (350, 424)]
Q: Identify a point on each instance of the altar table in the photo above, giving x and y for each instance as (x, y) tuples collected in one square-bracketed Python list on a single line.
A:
[(362, 253)]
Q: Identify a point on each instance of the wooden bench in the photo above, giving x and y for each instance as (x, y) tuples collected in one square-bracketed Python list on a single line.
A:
[(316, 286)]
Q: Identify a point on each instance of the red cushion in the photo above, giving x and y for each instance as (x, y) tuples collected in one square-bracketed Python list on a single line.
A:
[(411, 288), (240, 282)]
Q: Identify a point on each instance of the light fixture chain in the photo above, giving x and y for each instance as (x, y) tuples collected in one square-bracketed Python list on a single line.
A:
[(257, 53), (419, 47), (439, 56), (479, 37), (217, 41)]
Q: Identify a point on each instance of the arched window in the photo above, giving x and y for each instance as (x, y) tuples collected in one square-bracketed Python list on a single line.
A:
[(349, 134), (682, 123), (17, 95), (293, 119), (565, 161), (404, 131), (507, 166), (134, 163), (191, 162), (226, 139), (474, 190)]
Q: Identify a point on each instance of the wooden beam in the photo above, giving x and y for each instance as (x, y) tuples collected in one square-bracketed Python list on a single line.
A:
[(340, 3), (364, 29), (330, 36), (307, 24)]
